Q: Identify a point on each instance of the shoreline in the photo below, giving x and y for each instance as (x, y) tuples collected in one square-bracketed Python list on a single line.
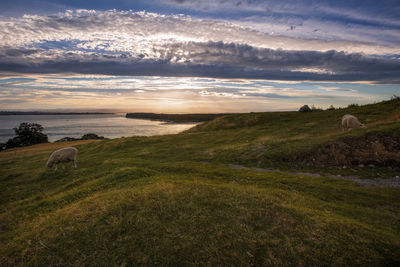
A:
[(11, 113)]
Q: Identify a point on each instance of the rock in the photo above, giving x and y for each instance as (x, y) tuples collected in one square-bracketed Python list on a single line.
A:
[(344, 167), (305, 108), (371, 165), (361, 165)]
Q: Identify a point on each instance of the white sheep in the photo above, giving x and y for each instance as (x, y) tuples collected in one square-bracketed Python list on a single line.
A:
[(350, 122), (61, 156)]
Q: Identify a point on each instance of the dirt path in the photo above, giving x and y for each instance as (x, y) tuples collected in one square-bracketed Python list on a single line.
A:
[(389, 182)]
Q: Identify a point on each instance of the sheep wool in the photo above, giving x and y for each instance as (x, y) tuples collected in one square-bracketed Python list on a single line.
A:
[(351, 122), (62, 155)]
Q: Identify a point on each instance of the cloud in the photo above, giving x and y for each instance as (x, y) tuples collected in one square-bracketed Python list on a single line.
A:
[(208, 59), (384, 12), (13, 101), (376, 22), (335, 88), (139, 32), (149, 44), (219, 94), (354, 20), (156, 86), (162, 93)]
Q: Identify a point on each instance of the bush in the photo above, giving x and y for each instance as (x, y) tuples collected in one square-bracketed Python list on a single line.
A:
[(67, 139), (331, 107), (353, 106), (27, 134), (314, 108), (87, 136), (91, 136)]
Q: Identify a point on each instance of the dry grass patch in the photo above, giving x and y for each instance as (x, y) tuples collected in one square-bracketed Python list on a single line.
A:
[(39, 149)]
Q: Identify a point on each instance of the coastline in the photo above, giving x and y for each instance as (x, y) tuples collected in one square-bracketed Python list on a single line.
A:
[(176, 118), (10, 113)]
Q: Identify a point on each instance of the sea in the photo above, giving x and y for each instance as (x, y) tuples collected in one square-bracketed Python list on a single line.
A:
[(107, 125)]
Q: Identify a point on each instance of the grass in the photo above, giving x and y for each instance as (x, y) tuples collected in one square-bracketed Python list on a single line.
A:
[(173, 200)]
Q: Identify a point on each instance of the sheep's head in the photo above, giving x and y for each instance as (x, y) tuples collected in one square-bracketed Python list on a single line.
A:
[(49, 164)]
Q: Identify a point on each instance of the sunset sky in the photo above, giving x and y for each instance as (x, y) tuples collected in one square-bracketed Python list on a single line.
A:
[(197, 56)]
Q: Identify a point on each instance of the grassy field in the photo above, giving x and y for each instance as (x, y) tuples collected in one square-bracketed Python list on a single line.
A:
[(174, 200)]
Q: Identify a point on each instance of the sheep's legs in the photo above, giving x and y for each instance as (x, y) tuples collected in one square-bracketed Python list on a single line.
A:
[(56, 168), (74, 164)]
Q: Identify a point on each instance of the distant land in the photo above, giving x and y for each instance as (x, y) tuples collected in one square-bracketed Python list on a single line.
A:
[(176, 117), (6, 113)]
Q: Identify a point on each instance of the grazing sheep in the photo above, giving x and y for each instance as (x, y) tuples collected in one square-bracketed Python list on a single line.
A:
[(350, 121), (61, 156)]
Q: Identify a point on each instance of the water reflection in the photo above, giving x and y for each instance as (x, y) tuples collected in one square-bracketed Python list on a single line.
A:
[(108, 125)]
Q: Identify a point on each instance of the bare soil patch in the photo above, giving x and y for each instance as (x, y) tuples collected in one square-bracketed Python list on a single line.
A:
[(376, 150)]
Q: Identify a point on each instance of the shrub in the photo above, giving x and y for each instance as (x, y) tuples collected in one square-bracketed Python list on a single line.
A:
[(331, 107), (67, 139), (27, 134), (91, 136), (314, 108), (353, 106)]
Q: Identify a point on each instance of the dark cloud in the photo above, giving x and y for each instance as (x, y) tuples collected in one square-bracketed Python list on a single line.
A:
[(339, 10), (210, 59), (12, 101), (245, 56), (181, 1)]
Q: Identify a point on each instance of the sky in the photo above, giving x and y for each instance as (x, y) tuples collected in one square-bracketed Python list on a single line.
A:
[(197, 56)]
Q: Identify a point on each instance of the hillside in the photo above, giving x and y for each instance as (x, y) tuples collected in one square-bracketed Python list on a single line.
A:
[(309, 141), (175, 117), (176, 200)]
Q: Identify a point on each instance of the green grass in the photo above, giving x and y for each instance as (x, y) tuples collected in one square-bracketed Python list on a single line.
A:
[(173, 200)]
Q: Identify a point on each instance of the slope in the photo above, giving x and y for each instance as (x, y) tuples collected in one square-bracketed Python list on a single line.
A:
[(173, 200)]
